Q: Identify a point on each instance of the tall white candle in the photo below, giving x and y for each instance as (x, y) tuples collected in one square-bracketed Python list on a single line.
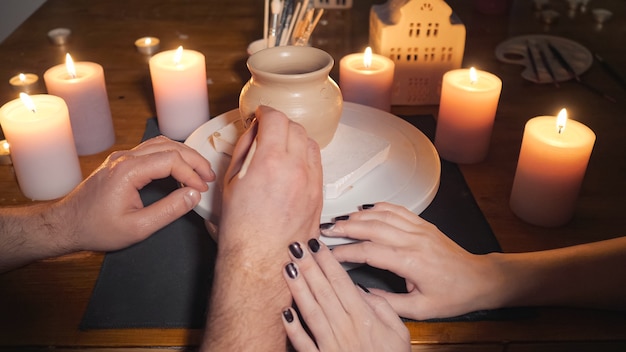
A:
[(42, 146), (367, 78), (180, 91), (466, 114), (83, 88), (552, 163)]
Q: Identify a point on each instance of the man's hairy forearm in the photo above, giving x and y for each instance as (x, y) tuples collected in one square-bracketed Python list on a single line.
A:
[(249, 294), (31, 233)]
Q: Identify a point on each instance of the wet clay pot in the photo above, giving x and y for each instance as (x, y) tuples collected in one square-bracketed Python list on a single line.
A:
[(296, 81)]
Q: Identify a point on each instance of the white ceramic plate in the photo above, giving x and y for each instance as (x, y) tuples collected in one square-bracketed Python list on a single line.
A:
[(514, 51), (409, 176)]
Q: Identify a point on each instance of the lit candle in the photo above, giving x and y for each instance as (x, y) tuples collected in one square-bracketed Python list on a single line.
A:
[(82, 86), (180, 91), (42, 146), (5, 153), (552, 163), (367, 78), (467, 109), (24, 82), (147, 45)]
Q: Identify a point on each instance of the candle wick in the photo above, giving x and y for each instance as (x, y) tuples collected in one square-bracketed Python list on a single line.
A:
[(33, 110), (560, 130)]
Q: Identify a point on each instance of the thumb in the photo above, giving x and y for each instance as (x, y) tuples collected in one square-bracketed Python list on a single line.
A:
[(166, 210), (402, 303)]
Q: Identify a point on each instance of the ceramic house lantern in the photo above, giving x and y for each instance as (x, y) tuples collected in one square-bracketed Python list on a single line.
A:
[(332, 4), (425, 39)]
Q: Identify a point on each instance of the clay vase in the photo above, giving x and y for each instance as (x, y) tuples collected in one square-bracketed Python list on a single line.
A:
[(296, 81)]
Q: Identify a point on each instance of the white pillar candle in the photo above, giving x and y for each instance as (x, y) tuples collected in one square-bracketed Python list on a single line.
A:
[(180, 91), (367, 78), (42, 146), (552, 163), (25, 82), (467, 109), (83, 88)]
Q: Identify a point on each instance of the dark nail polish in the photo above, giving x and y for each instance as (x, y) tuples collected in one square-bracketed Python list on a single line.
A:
[(342, 218), (363, 288), (296, 250), (288, 315), (314, 245), (327, 226), (291, 270), (367, 206)]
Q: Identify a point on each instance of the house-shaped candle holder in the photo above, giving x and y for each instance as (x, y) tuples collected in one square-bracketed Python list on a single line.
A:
[(425, 39), (332, 4)]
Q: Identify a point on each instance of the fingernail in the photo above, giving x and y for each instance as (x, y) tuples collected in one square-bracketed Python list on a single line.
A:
[(327, 226), (192, 197), (342, 218), (288, 315), (291, 270), (296, 250), (367, 206), (314, 245), (363, 288)]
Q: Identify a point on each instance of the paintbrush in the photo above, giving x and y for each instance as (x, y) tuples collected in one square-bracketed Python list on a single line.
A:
[(546, 64), (276, 7), (566, 65), (531, 58)]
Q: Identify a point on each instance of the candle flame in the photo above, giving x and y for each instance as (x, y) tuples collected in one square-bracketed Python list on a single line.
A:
[(22, 77), (148, 41), (6, 146), (69, 64), (473, 75), (178, 55), (28, 102), (367, 57), (561, 120)]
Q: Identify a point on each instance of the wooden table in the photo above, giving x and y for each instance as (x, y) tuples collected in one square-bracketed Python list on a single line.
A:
[(42, 304)]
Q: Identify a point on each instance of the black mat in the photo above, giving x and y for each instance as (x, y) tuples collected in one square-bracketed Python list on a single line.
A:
[(164, 281)]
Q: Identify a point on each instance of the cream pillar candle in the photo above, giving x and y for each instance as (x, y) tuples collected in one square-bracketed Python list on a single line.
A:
[(180, 91), (551, 166), (367, 78), (467, 109), (83, 88), (42, 146)]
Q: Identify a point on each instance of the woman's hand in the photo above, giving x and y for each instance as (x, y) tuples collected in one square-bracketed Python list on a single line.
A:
[(340, 316), (442, 279)]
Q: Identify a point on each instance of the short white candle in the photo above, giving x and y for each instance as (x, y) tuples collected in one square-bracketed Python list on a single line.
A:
[(552, 163), (367, 78), (24, 82), (147, 45), (180, 91), (42, 147), (467, 110), (82, 86)]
